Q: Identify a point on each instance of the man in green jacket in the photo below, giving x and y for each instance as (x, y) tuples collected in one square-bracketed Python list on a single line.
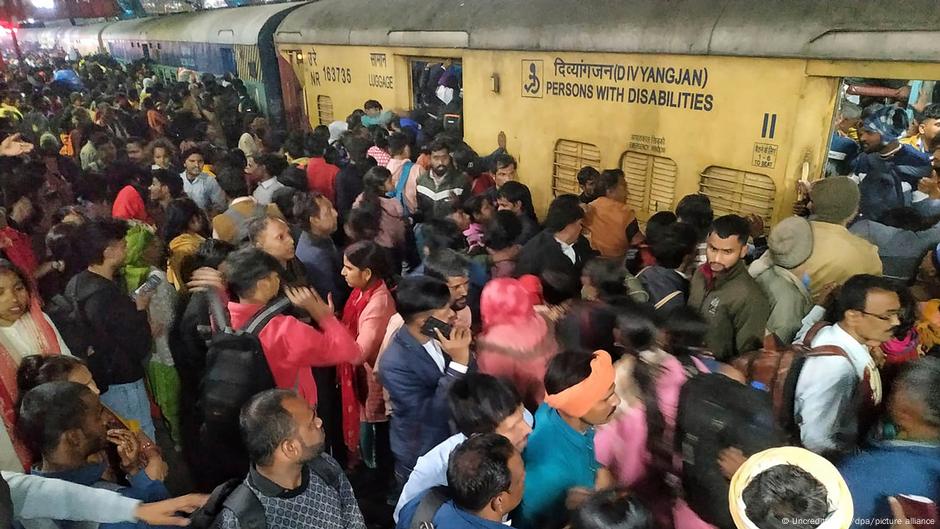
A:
[(732, 303)]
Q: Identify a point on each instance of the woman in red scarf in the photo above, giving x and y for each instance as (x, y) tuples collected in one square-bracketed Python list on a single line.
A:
[(366, 267), (24, 330)]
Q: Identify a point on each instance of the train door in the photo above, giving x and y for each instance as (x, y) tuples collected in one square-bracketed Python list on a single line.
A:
[(913, 113), (228, 60), (437, 89), (292, 91), (145, 48)]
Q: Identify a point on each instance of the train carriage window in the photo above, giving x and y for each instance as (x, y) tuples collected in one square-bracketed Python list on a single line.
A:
[(738, 192), (651, 181), (570, 157), (325, 110)]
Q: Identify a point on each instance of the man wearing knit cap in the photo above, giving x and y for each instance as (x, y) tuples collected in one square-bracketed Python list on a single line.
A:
[(559, 459), (889, 171), (837, 254), (779, 274)]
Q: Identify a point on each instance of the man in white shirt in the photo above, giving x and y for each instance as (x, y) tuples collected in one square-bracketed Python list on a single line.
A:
[(478, 404), (558, 251), (828, 396), (264, 169), (200, 186)]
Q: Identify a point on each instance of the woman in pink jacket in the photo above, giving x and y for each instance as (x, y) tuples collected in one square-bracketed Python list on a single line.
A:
[(366, 267), (516, 343)]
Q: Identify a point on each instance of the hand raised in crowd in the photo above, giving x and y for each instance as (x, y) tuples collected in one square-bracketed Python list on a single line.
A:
[(457, 345), (13, 145), (929, 187), (901, 521), (576, 497), (756, 225), (167, 512), (730, 460), (142, 300), (128, 449), (308, 299), (156, 468), (801, 206), (206, 278)]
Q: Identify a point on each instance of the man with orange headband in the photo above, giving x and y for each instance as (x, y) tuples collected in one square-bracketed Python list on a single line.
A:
[(560, 455)]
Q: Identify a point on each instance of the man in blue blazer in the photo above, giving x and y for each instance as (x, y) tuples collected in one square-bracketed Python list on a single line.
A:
[(417, 370)]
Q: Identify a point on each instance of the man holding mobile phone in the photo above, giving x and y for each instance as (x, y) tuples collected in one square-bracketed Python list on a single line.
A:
[(421, 362)]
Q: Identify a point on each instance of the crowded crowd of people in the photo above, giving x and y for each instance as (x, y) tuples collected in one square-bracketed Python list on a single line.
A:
[(369, 324)]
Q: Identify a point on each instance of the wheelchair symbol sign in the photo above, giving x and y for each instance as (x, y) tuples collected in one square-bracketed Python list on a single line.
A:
[(532, 84)]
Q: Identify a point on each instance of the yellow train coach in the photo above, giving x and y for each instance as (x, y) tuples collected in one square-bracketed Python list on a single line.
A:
[(732, 98)]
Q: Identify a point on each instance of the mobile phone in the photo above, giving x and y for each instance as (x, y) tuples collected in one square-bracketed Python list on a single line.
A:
[(435, 324), (921, 511), (148, 286)]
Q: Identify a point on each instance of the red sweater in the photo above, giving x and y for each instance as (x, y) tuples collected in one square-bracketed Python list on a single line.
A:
[(321, 176), (292, 347)]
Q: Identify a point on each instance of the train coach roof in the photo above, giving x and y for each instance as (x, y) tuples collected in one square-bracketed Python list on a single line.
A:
[(87, 32), (825, 29), (237, 25)]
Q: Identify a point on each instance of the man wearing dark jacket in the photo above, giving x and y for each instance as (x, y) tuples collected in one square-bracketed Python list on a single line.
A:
[(443, 186), (666, 281), (316, 249), (732, 303), (417, 370), (119, 332), (349, 179), (559, 249)]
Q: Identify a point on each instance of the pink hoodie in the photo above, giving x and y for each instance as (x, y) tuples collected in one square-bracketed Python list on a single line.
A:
[(516, 342)]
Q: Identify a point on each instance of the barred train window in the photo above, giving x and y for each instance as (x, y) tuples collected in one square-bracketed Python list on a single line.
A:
[(738, 192), (651, 181), (325, 109), (570, 157)]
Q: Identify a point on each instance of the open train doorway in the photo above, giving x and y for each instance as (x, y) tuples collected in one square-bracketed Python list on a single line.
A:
[(909, 111), (437, 90)]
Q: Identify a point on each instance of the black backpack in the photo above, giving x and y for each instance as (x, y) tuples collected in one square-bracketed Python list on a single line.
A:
[(428, 507), (236, 368), (67, 312), (236, 496), (714, 413)]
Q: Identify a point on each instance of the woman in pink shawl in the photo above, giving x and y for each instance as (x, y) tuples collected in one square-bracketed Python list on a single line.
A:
[(516, 343), (636, 446), (24, 330)]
